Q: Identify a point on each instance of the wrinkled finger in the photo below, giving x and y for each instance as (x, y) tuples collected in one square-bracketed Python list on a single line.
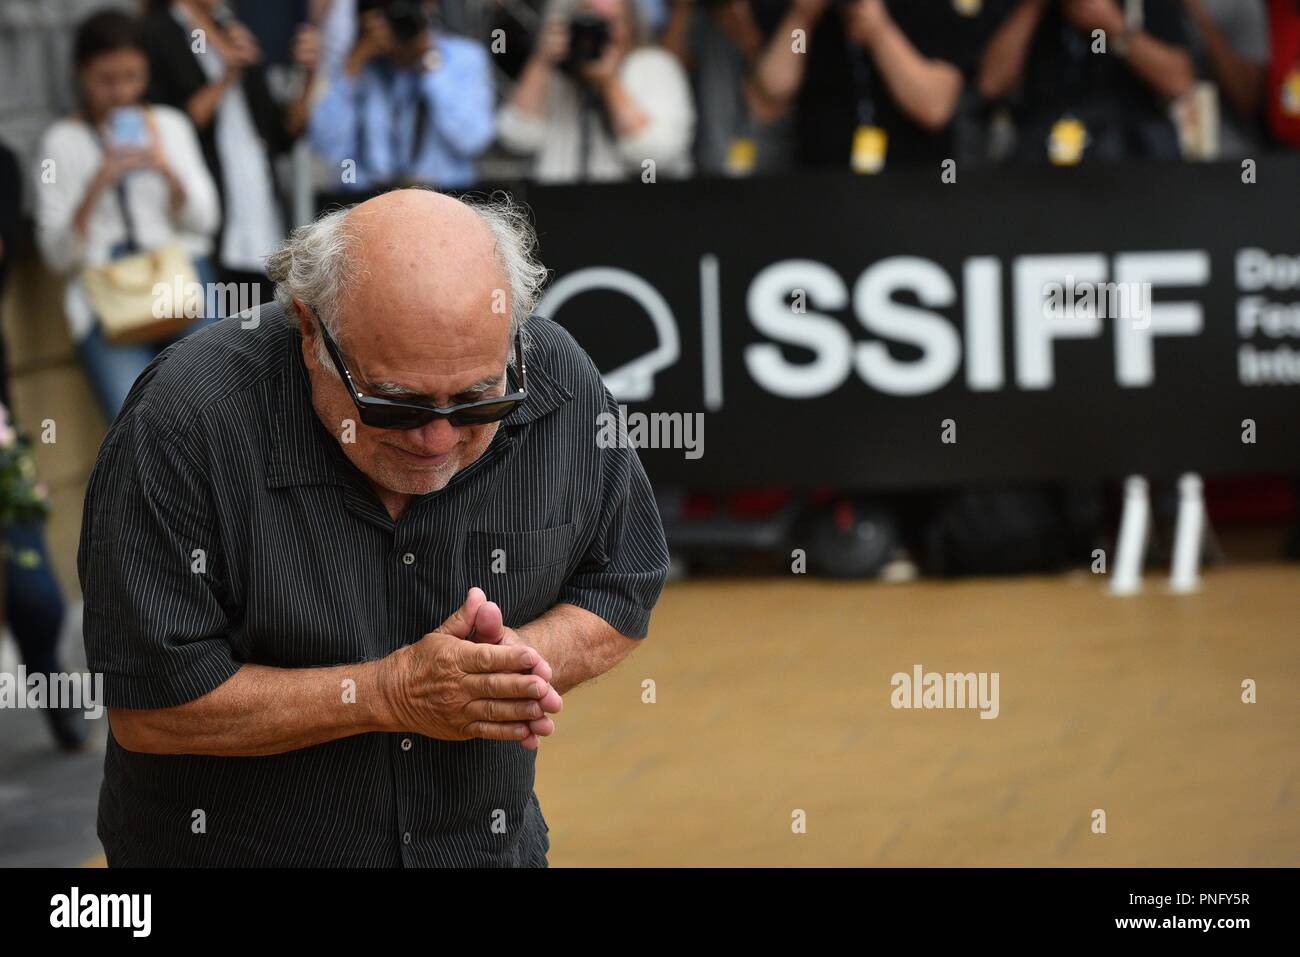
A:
[(505, 684), (542, 726), (474, 658), (498, 731), (543, 669), (503, 709)]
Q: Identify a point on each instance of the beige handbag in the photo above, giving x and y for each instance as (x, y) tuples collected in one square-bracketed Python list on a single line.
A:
[(142, 297)]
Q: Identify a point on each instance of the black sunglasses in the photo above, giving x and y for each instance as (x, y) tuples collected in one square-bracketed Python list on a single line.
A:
[(390, 414)]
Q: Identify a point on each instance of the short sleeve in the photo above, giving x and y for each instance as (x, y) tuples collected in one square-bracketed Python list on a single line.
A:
[(656, 81), (55, 203), (520, 132), (151, 572), (624, 569), (201, 213)]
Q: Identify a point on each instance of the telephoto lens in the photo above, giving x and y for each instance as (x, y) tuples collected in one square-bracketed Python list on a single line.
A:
[(588, 38)]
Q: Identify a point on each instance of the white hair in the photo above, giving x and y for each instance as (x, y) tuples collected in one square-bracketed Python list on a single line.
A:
[(318, 264)]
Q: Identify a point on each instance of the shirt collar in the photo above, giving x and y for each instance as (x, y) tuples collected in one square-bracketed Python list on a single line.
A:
[(545, 393), (304, 453)]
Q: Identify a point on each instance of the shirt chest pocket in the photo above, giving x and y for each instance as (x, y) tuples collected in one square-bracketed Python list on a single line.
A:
[(522, 572)]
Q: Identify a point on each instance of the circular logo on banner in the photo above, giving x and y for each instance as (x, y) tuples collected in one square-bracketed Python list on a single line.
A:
[(968, 8)]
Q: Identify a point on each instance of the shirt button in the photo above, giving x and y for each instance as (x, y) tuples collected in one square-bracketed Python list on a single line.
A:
[(406, 744), (408, 558), (406, 838)]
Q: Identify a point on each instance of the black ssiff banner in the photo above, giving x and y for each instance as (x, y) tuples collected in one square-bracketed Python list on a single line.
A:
[(891, 332)]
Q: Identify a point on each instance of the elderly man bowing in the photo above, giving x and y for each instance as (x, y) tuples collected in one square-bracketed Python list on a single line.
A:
[(286, 510)]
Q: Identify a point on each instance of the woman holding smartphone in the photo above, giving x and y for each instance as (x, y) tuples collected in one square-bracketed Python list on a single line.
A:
[(116, 178)]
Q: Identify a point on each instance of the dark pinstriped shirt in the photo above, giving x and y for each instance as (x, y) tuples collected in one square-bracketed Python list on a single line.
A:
[(223, 524)]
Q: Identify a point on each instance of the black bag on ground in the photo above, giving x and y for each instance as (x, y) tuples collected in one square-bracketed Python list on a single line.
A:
[(996, 532)]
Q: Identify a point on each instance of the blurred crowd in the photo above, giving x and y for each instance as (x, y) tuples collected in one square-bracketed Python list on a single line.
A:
[(186, 107), (595, 89)]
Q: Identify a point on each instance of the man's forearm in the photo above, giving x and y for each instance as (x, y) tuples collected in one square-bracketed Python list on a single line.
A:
[(675, 37), (927, 90), (577, 644), (779, 72), (1243, 82), (202, 106), (1165, 68), (530, 92), (1003, 60), (262, 710)]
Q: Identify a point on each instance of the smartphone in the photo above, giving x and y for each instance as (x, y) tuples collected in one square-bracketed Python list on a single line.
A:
[(127, 129)]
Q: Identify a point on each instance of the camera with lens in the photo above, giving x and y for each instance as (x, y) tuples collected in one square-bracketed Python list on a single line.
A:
[(588, 39), (407, 19)]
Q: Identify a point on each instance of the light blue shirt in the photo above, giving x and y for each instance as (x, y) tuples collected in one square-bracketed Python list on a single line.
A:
[(372, 119)]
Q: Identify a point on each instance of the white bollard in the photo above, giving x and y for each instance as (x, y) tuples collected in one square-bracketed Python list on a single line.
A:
[(1131, 549), (1184, 570)]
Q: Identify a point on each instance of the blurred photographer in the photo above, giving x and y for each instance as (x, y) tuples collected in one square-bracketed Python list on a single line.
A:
[(742, 130), (204, 61), (880, 82), (518, 23), (412, 104), (595, 101), (121, 181), (1079, 102)]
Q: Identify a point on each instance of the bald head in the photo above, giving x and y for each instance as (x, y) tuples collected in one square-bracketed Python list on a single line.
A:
[(411, 254), (424, 264)]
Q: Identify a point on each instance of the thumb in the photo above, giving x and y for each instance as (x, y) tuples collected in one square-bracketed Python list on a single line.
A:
[(461, 622), (488, 626)]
